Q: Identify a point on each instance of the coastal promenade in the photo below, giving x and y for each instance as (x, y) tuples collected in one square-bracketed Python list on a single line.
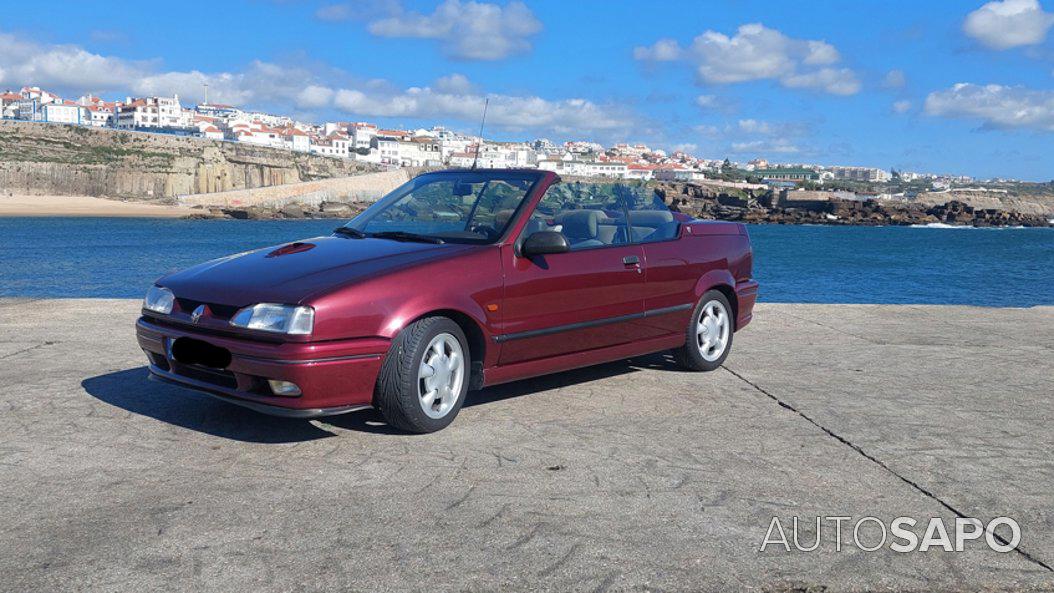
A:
[(626, 476)]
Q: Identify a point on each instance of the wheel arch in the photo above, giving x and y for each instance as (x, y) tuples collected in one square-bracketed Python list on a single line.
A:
[(722, 281), (474, 333)]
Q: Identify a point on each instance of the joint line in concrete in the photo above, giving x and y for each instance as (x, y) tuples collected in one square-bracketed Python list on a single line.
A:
[(918, 487)]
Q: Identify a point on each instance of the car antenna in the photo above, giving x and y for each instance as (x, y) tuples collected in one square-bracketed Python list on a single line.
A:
[(482, 121)]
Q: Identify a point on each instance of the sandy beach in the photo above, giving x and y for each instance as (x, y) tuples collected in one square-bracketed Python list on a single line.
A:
[(20, 205)]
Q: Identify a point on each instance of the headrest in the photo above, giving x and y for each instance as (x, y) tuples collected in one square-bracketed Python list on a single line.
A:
[(579, 224), (652, 218)]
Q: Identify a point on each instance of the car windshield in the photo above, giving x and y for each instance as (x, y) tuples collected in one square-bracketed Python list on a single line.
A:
[(454, 207)]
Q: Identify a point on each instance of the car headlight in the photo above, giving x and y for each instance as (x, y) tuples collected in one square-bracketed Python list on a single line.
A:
[(159, 300), (282, 319)]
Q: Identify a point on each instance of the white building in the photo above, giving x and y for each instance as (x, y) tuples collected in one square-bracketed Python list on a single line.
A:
[(63, 113), (258, 134), (297, 139), (860, 173), (421, 151), (361, 135), (642, 172), (207, 128), (496, 155), (395, 147), (100, 117), (678, 174), (9, 104), (334, 145), (612, 169), (42, 97), (152, 112)]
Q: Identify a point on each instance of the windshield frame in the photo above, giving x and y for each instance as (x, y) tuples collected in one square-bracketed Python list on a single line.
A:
[(535, 177)]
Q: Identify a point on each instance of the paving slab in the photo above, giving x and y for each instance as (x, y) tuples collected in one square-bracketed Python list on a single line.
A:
[(630, 476)]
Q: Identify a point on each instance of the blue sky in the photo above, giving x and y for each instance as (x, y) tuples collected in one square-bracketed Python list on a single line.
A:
[(958, 87)]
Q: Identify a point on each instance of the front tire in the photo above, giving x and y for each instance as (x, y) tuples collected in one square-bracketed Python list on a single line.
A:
[(708, 338), (424, 377)]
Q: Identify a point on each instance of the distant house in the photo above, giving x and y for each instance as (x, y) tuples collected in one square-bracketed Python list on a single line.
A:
[(64, 113), (99, 116), (677, 173), (335, 145), (152, 112), (210, 131), (860, 173), (362, 134), (9, 105), (297, 139), (642, 172), (617, 170)]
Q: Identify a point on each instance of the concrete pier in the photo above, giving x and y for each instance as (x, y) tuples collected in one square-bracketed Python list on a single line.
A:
[(626, 476)]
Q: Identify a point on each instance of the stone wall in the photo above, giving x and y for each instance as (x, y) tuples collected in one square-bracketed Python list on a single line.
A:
[(361, 188), (37, 158)]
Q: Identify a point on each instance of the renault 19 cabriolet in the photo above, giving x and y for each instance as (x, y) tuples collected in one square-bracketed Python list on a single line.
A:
[(455, 281)]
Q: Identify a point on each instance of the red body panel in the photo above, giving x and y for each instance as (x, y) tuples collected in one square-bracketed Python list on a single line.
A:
[(530, 316)]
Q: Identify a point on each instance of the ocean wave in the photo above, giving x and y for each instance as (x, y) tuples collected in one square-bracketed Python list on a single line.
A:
[(944, 225)]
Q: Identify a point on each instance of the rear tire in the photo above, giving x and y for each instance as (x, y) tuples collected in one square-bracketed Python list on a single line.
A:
[(424, 376), (708, 337)]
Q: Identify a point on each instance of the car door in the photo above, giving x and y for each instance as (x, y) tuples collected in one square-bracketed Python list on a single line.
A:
[(584, 299), (671, 262)]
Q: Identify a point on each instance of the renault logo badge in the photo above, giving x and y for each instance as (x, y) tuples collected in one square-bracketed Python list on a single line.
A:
[(196, 315)]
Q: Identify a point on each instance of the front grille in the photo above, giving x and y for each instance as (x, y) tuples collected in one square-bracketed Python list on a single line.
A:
[(219, 311), (217, 377)]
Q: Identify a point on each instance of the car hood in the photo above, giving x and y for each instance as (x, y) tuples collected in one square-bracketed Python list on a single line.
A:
[(293, 272)]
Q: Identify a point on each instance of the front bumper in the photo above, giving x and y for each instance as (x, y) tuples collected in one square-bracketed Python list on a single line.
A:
[(334, 376)]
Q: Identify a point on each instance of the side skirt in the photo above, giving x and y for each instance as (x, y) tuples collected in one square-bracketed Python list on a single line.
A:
[(556, 364)]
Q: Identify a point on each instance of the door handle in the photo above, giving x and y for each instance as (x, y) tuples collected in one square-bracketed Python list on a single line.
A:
[(631, 260)]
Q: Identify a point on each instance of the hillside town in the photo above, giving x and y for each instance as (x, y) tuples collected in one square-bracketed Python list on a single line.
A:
[(433, 147)]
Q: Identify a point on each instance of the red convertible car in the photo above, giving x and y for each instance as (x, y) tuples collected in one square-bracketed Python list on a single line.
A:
[(455, 281)]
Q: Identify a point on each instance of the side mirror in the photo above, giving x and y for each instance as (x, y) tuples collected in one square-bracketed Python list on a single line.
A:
[(545, 242)]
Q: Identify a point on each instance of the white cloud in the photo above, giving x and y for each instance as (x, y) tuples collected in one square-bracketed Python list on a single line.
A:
[(454, 84), (757, 52), (262, 83), (758, 127), (506, 111), (1008, 24), (902, 106), (706, 101), (333, 12), (765, 147), (996, 105), (664, 50), (894, 79), (314, 97), (753, 126), (346, 11), (62, 65), (286, 88), (467, 30), (837, 81), (687, 147), (707, 130)]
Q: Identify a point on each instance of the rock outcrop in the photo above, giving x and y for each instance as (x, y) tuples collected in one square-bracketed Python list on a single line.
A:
[(38, 158), (706, 204)]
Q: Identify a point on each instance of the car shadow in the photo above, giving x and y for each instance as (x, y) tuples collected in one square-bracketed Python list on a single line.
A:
[(131, 390)]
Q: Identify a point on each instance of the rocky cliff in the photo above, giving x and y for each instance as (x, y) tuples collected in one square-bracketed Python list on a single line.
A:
[(68, 160), (703, 202)]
